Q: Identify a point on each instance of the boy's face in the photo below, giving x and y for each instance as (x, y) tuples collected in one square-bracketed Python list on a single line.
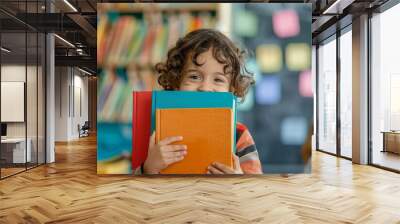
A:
[(209, 76)]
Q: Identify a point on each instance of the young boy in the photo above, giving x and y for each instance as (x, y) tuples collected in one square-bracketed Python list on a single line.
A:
[(204, 60)]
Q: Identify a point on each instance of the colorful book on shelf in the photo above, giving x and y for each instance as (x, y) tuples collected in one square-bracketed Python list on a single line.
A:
[(105, 85), (159, 43), (127, 29), (208, 134), (124, 99), (114, 94), (132, 32), (111, 107), (145, 54), (125, 39), (192, 99), (135, 45), (111, 36), (141, 120), (101, 27)]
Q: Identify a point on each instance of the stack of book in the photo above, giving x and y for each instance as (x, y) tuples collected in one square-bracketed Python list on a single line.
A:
[(206, 120)]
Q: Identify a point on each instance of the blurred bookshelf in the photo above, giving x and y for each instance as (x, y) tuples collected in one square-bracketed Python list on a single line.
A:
[(131, 39), (156, 7)]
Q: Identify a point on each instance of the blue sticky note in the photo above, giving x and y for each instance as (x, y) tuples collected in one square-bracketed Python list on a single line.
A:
[(293, 130), (268, 90)]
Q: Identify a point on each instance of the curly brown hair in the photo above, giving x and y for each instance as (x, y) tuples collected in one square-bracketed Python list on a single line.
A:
[(196, 43)]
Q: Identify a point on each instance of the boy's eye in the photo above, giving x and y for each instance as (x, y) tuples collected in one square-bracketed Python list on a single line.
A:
[(194, 76), (219, 80)]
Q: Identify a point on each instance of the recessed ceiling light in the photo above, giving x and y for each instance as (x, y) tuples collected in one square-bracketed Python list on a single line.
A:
[(64, 40), (337, 7), (5, 49), (84, 71), (70, 5)]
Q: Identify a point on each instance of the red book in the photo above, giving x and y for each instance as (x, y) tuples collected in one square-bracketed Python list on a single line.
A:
[(141, 123)]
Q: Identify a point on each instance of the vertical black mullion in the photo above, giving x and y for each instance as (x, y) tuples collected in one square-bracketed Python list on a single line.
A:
[(45, 88), (37, 88), (369, 88), (338, 76), (316, 98), (45, 95), (26, 85)]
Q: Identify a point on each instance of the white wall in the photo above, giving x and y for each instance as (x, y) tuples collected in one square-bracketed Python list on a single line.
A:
[(13, 73), (62, 81), (70, 83), (81, 84)]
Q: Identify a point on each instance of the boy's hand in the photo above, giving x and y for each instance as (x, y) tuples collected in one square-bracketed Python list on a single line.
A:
[(219, 168), (163, 154)]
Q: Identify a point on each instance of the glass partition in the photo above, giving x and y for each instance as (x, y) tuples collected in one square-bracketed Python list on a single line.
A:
[(385, 89), (346, 93), (327, 96), (31, 98), (22, 77), (14, 153)]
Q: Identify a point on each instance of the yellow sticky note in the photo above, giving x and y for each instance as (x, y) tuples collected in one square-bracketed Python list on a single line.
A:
[(269, 58), (298, 56)]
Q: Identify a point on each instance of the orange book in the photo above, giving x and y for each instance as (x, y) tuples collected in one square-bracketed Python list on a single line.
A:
[(207, 132)]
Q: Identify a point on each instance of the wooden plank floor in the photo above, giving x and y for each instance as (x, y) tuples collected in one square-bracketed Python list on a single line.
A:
[(69, 191)]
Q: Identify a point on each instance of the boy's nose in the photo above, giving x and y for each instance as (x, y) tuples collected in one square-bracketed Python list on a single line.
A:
[(205, 87)]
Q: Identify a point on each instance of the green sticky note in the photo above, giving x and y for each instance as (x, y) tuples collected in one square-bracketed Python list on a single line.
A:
[(245, 24), (298, 56)]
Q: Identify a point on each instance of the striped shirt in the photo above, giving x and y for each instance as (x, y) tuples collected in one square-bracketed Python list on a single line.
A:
[(246, 150)]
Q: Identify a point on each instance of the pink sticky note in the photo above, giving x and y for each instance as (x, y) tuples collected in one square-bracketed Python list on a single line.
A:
[(286, 23), (305, 84)]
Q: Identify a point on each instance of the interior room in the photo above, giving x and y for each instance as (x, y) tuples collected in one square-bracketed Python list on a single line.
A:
[(339, 82)]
